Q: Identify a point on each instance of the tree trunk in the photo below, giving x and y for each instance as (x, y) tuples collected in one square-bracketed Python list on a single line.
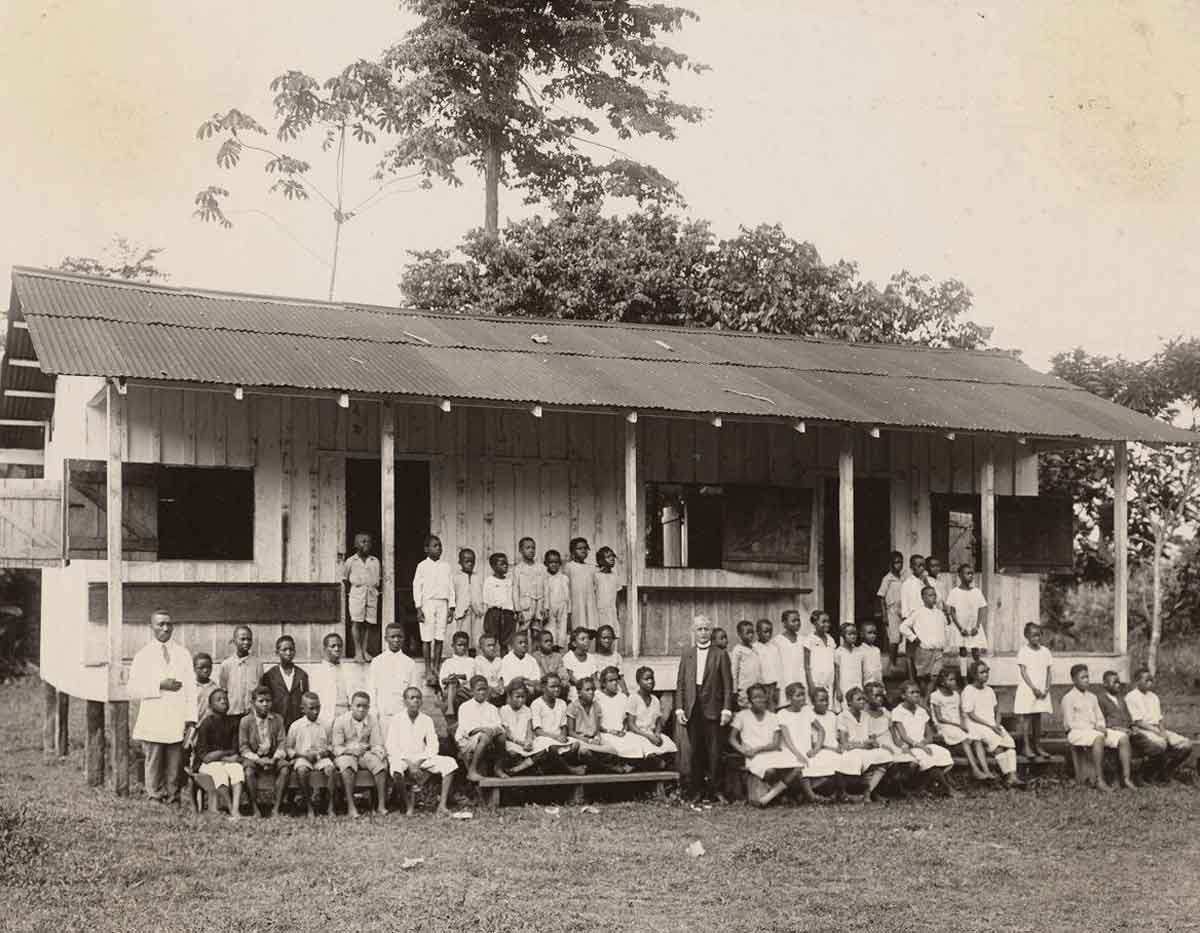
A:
[(491, 187), (1156, 606)]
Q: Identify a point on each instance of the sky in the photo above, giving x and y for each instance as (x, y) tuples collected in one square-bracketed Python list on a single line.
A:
[(1045, 153)]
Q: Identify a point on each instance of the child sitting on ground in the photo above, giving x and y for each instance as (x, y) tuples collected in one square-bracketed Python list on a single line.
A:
[(983, 726), (910, 726), (309, 749), (945, 708), (456, 673), (499, 616), (358, 743), (872, 658), (860, 752), (756, 734), (745, 666), (612, 705), (215, 755), (412, 753), (644, 718), (480, 735), (1166, 749), (262, 743), (1034, 663), (517, 721)]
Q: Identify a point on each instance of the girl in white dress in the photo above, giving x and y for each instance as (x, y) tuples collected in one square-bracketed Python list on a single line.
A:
[(861, 754), (644, 719), (1033, 690), (612, 704), (756, 735), (549, 713), (910, 724), (579, 662), (983, 727), (517, 721), (945, 709), (826, 753), (820, 669)]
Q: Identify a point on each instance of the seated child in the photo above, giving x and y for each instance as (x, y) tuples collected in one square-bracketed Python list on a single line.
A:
[(949, 723), (825, 754), (796, 732), (860, 750), (745, 665), (520, 667), (1034, 663), (1086, 729), (215, 755), (549, 659), (262, 742), (358, 743), (983, 726), (583, 725), (558, 598), (644, 718), (612, 705), (579, 662), (456, 673), (287, 681), (910, 725), (848, 659), (1116, 716), (872, 657), (499, 616), (768, 661), (309, 749), (1167, 749), (549, 712), (755, 734), (517, 721), (487, 666), (479, 736), (413, 753), (605, 655), (819, 667)]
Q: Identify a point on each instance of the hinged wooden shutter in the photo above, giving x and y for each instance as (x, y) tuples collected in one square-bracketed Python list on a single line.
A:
[(87, 533), (31, 526)]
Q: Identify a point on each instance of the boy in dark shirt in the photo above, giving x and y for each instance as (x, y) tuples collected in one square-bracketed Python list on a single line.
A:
[(262, 742), (215, 755), (287, 681)]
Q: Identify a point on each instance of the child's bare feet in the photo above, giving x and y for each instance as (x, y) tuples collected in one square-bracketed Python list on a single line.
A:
[(501, 773), (474, 776), (411, 809), (577, 769), (441, 811), (381, 811)]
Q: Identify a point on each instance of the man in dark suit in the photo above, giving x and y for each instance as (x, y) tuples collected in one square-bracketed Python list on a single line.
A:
[(287, 682), (704, 705)]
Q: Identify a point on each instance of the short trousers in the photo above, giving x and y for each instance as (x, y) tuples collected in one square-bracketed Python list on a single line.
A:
[(434, 764), (224, 773), (304, 766), (367, 761), (928, 661), (1083, 738), (435, 612)]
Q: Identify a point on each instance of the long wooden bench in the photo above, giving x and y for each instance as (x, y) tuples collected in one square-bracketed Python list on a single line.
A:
[(492, 787)]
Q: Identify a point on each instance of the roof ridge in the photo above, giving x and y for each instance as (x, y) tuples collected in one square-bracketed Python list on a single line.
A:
[(369, 308)]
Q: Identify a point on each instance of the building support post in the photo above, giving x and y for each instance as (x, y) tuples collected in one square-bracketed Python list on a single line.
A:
[(846, 527), (987, 520), (118, 705), (387, 498), (94, 750), (1121, 548), (62, 722), (633, 554), (49, 719)]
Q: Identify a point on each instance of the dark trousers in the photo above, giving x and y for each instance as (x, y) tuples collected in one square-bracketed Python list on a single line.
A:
[(704, 736), (163, 765), (500, 623)]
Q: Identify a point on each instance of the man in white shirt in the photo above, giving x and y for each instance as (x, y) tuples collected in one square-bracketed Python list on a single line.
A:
[(412, 751), (332, 681), (391, 673), (161, 677), (1166, 749)]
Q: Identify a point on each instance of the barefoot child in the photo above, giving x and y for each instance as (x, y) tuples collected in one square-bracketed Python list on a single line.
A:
[(945, 708), (1034, 662), (487, 666), (983, 726), (580, 576), (820, 668), (262, 743), (517, 721), (889, 603), (1166, 749), (529, 588), (1086, 729), (605, 654), (480, 735), (967, 610), (457, 671), (925, 629), (644, 718), (910, 726), (309, 749), (358, 743), (499, 616), (872, 660), (825, 754), (861, 755), (549, 713), (583, 725), (795, 723), (391, 673), (215, 755), (413, 753), (756, 734), (612, 704), (468, 596), (361, 575), (558, 598), (433, 595)]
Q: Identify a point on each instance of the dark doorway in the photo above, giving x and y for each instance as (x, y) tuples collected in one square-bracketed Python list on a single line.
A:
[(364, 501), (872, 543)]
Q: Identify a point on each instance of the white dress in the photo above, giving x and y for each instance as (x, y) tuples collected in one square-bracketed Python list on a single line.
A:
[(857, 761), (966, 605), (519, 724), (912, 725), (612, 716), (947, 707), (645, 715), (756, 732), (982, 702), (550, 719), (1037, 662), (799, 727)]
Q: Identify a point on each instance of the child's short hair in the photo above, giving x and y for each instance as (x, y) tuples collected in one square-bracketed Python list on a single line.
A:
[(1029, 627), (429, 539), (854, 692), (744, 624), (581, 630), (551, 553), (325, 640), (495, 558), (816, 690), (973, 669), (523, 633), (793, 689), (411, 689), (755, 688), (201, 656), (962, 567), (589, 680), (284, 638), (488, 636), (603, 553), (549, 676), (611, 671), (1078, 668), (575, 541), (309, 695), (928, 589), (909, 685), (717, 630), (1111, 673), (894, 555), (360, 693), (220, 691), (642, 670), (606, 628), (1140, 671), (787, 614), (849, 627), (465, 550), (243, 628), (517, 686), (815, 614), (260, 692), (460, 636), (945, 674), (521, 543), (393, 627), (477, 679), (874, 685)]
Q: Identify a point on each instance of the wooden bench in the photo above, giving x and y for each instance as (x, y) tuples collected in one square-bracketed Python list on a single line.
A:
[(492, 787), (198, 784)]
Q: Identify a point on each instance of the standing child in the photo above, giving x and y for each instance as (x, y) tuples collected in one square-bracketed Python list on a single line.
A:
[(287, 681), (529, 587), (910, 726), (606, 655), (848, 658), (357, 743), (215, 755), (768, 660), (361, 575), (872, 659), (756, 734), (925, 629), (499, 615), (820, 669), (910, 601), (433, 595), (1034, 663), (861, 754), (202, 667), (942, 583), (720, 639), (240, 673), (579, 662), (983, 725), (612, 705), (412, 752), (390, 674), (558, 598), (309, 749), (517, 721), (607, 586), (945, 708), (644, 718), (487, 666), (889, 603), (331, 680), (967, 610), (456, 673), (262, 744), (789, 645), (468, 596), (480, 735), (745, 666), (580, 575)]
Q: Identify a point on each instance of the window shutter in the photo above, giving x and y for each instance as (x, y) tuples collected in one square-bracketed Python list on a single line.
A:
[(1034, 534), (87, 519)]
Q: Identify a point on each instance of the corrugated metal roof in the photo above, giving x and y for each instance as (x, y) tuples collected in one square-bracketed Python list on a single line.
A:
[(101, 327)]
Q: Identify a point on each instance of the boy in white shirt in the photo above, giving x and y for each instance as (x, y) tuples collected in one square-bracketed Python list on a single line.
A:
[(390, 674), (412, 752), (456, 673), (480, 735), (520, 666), (1167, 749), (433, 595), (925, 629), (499, 616), (768, 661), (487, 666), (1086, 728)]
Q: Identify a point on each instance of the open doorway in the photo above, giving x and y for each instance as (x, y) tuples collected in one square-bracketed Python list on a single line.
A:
[(872, 543), (364, 503)]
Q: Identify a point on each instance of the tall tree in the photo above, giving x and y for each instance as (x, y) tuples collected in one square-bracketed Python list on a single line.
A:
[(652, 266)]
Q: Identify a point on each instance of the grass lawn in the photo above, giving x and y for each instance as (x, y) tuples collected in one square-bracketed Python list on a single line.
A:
[(1049, 859)]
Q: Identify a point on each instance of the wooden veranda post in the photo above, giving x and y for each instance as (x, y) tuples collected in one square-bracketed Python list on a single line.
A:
[(1120, 548), (118, 705), (846, 526), (633, 556), (387, 498), (49, 712), (987, 520), (93, 762), (62, 720)]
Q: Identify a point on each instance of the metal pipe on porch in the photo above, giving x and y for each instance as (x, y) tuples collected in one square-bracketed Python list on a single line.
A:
[(846, 527), (118, 705), (633, 553), (387, 498), (1120, 548)]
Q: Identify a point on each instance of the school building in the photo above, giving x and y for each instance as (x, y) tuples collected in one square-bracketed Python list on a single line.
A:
[(213, 454)]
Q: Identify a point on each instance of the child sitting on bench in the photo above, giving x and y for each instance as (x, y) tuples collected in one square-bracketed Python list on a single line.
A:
[(215, 755)]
